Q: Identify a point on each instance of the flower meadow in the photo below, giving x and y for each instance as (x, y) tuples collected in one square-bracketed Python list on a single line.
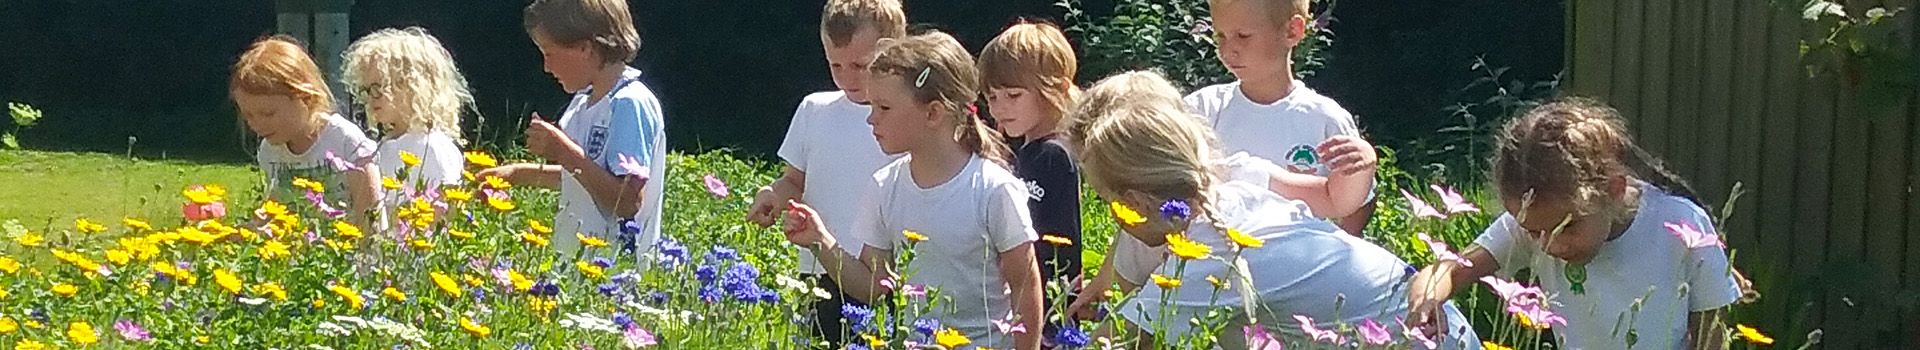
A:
[(472, 266)]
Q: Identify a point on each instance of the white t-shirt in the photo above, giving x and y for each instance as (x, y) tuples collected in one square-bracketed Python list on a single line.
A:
[(1305, 265), (969, 222), (626, 122), (1284, 132), (830, 140), (440, 158), (1647, 263), (338, 136)]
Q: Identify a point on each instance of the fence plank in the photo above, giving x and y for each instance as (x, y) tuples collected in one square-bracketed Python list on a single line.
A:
[(1815, 139), (1650, 123), (1591, 61), (1627, 28), (1748, 116), (1845, 227), (1682, 125), (1775, 193), (1716, 65)]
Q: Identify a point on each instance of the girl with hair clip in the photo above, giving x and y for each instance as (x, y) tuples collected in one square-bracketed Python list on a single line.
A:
[(1140, 149), (950, 198)]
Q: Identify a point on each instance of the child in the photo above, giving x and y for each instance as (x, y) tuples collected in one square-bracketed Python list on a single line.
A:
[(950, 188), (830, 152), (1269, 115), (414, 95), (282, 98), (1143, 89), (609, 148), (1151, 155), (1028, 71), (1591, 213)]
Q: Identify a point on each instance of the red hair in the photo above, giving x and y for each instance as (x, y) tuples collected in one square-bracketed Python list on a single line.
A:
[(277, 65)]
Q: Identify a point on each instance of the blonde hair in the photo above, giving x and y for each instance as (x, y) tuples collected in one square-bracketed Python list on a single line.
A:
[(1033, 56), (1568, 150), (417, 75), (1135, 135), (604, 24), (841, 19), (941, 72), (1280, 11), (278, 65), (1123, 90)]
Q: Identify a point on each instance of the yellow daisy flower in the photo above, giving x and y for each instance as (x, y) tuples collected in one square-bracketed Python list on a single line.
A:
[(1187, 249), (1127, 215)]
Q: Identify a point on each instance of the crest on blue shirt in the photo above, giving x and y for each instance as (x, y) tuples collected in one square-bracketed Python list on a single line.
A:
[(596, 141)]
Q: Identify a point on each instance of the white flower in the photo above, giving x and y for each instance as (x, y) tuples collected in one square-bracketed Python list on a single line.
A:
[(332, 329)]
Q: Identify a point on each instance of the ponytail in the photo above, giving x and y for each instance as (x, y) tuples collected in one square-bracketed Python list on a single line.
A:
[(1646, 167), (982, 140)]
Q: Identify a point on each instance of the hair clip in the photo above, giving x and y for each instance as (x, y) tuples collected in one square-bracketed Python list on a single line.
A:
[(922, 81)]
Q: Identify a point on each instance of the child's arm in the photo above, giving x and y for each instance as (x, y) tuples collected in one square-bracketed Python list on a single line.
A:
[(1351, 162), (618, 195), (1018, 266), (1434, 285), (525, 174), (860, 277), (791, 184), (362, 192), (1707, 330)]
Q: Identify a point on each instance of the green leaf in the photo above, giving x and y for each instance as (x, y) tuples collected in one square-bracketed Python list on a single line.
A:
[(1816, 8), (10, 141), (1874, 14)]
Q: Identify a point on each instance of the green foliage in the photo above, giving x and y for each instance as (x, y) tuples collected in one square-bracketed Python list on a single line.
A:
[(1459, 150), (24, 116), (1865, 51), (1174, 37)]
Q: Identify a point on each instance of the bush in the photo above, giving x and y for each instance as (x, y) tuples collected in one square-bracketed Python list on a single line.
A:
[(1174, 37)]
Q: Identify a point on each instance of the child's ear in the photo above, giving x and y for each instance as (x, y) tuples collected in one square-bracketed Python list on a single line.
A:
[(1617, 186), (936, 113), (1296, 29)]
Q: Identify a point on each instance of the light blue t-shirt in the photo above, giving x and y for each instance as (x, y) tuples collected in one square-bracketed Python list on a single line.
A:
[(627, 122)]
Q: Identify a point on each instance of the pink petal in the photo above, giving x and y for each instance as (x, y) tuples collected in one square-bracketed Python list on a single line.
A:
[(632, 167), (1420, 207), (1375, 333), (716, 187), (1692, 236), (1417, 335), (1454, 201), (1259, 339), (1441, 253)]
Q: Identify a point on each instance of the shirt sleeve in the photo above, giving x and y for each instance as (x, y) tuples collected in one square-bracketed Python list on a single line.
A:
[(1056, 206), (443, 163), (1342, 122), (793, 148), (1008, 223), (1505, 241), (633, 131), (1133, 260), (870, 223), (1710, 280)]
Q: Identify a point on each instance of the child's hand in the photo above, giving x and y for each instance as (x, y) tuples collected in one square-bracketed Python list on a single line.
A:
[(548, 141), (1425, 297), (764, 207), (803, 227), (1348, 155)]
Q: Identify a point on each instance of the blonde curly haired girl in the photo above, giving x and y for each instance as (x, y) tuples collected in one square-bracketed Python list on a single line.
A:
[(413, 95)]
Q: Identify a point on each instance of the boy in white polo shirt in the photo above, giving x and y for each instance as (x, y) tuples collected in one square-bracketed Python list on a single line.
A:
[(1270, 115), (830, 151)]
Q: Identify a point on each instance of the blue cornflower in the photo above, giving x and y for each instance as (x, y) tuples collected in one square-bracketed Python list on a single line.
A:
[(1070, 337), (1176, 210), (926, 326), (706, 273), (859, 318), (722, 253)]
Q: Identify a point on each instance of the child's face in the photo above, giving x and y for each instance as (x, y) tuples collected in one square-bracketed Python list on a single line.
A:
[(899, 122), (573, 65), (379, 100), (1560, 231), (277, 119), (848, 63), (1252, 44), (1017, 110)]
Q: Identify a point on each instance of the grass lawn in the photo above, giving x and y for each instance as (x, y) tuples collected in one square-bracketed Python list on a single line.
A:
[(43, 189)]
